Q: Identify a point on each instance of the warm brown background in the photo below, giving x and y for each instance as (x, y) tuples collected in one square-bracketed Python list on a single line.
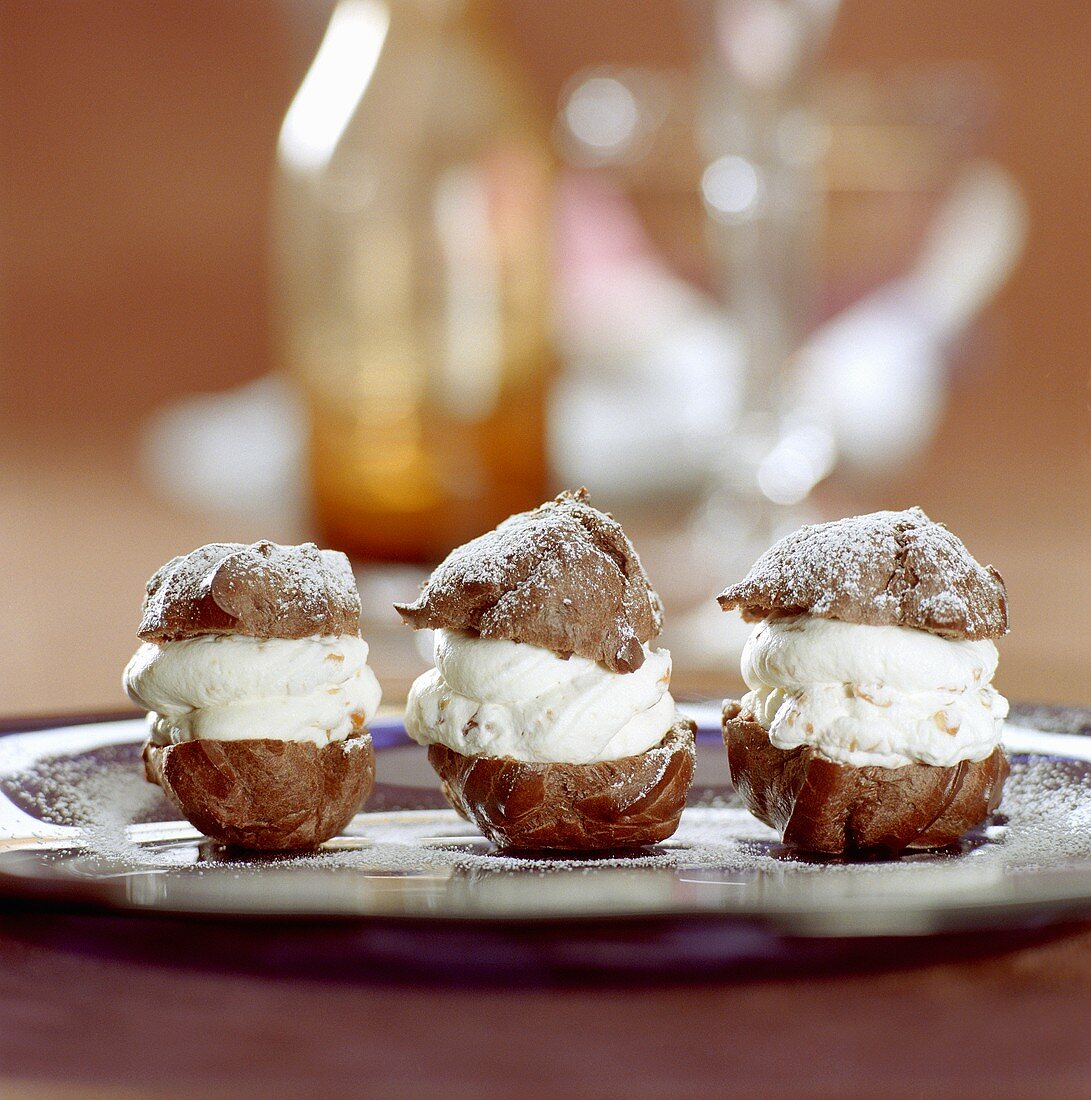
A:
[(137, 142)]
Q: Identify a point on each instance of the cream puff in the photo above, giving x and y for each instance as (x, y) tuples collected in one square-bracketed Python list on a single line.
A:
[(548, 715), (258, 690), (871, 723)]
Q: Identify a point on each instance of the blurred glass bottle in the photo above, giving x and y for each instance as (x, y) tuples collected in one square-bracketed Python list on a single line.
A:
[(411, 234)]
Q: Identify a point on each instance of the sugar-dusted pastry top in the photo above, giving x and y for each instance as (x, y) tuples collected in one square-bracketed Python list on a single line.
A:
[(564, 577), (262, 590), (886, 568)]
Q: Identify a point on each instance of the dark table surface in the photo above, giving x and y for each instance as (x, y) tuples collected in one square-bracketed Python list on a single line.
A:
[(76, 1020)]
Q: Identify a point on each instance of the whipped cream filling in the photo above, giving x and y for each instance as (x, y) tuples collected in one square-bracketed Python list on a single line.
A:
[(883, 696), (494, 697), (231, 687)]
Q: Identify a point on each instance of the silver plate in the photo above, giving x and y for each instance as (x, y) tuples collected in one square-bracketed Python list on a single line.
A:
[(79, 827)]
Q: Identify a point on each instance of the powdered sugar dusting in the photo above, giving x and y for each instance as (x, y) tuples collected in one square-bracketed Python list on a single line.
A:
[(262, 589), (564, 577), (102, 792), (656, 761), (896, 568)]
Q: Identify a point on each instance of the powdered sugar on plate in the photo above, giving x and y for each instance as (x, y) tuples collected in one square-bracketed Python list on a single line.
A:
[(126, 826)]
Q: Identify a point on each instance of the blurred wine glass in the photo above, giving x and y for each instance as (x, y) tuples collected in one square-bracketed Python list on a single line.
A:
[(763, 268)]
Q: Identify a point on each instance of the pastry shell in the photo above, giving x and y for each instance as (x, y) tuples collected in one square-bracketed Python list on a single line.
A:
[(564, 577), (265, 794), (522, 805), (885, 568), (262, 590), (839, 809)]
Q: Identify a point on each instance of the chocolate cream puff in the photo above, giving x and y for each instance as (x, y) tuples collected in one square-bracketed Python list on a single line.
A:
[(258, 690), (548, 715), (871, 724)]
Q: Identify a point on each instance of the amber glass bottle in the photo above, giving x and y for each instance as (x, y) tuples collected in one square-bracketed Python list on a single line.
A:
[(411, 244)]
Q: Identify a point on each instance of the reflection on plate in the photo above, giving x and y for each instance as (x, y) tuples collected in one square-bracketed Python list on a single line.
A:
[(79, 826)]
